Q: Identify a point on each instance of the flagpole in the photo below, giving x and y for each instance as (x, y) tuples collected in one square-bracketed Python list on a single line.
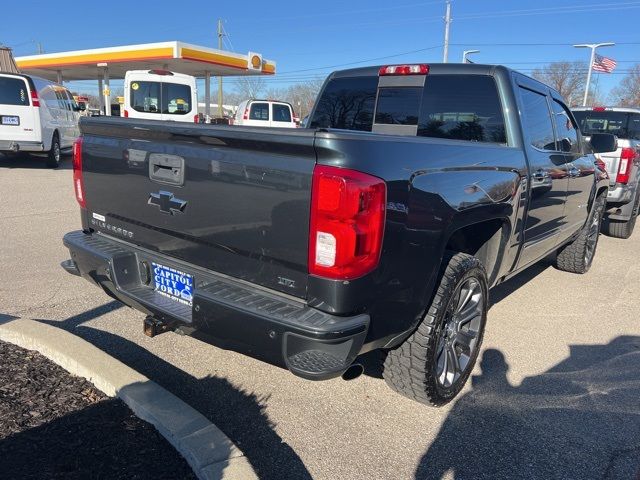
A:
[(593, 47)]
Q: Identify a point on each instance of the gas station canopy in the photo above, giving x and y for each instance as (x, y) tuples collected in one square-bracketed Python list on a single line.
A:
[(175, 56)]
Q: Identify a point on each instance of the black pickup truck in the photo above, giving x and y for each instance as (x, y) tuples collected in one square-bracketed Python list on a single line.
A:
[(415, 189)]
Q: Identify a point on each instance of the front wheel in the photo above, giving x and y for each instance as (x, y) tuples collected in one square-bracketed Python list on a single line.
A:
[(577, 256), (434, 363)]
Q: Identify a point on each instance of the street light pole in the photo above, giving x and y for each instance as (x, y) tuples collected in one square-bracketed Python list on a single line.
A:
[(447, 24), (593, 47), (468, 52)]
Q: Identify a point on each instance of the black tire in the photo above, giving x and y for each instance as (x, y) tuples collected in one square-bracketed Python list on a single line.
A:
[(621, 229), (577, 256), (412, 369), (618, 229), (55, 154)]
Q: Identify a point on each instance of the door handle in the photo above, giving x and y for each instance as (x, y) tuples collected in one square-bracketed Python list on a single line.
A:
[(167, 169)]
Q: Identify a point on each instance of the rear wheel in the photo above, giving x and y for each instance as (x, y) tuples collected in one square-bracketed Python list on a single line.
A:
[(577, 256), (434, 363), (53, 158), (621, 229)]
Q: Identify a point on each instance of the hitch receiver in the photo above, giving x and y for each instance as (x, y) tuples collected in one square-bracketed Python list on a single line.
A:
[(152, 326)]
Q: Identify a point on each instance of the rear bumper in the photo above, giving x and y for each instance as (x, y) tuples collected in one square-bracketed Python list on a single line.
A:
[(620, 193), (20, 146), (228, 313)]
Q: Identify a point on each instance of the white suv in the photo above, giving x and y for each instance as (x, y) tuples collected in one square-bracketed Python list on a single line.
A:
[(36, 116), (265, 113)]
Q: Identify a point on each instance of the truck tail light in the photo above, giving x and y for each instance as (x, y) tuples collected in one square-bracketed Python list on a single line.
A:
[(627, 157), (245, 115), (126, 113), (417, 69), (35, 100), (599, 109), (195, 119), (78, 180), (347, 222)]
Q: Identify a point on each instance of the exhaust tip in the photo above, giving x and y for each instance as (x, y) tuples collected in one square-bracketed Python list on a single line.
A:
[(353, 372)]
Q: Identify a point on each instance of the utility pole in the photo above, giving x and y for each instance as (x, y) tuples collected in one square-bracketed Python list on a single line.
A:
[(447, 24), (593, 47), (220, 109)]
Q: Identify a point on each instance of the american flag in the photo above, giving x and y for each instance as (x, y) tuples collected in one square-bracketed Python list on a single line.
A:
[(603, 64)]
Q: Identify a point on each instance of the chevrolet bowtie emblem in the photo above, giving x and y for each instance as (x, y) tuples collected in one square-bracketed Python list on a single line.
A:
[(167, 203)]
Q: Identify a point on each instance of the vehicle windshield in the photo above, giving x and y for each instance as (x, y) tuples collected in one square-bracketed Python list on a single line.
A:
[(13, 91), (156, 97), (621, 124)]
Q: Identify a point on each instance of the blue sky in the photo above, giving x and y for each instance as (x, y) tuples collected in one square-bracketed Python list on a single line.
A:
[(310, 39)]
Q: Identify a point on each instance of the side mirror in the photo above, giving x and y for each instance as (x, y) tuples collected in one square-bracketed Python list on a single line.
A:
[(603, 142)]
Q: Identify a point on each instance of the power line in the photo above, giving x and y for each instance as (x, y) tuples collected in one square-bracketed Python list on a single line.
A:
[(364, 61)]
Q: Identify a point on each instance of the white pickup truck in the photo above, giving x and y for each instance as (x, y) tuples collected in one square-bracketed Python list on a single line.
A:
[(623, 165)]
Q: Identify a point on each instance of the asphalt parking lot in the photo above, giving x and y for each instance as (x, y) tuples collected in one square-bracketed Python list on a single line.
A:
[(555, 395)]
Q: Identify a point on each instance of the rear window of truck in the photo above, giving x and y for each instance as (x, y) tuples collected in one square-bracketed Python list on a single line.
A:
[(346, 103), (623, 124), (13, 91), (459, 107)]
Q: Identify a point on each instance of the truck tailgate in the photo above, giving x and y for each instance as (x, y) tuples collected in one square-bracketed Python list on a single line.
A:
[(234, 200)]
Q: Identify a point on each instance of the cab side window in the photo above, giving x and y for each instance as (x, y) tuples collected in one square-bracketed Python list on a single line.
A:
[(566, 129), (536, 119)]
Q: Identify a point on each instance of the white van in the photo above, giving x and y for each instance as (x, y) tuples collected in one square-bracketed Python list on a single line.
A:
[(264, 113), (36, 116), (160, 95)]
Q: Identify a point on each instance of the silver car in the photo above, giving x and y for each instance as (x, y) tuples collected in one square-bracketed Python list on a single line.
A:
[(623, 165)]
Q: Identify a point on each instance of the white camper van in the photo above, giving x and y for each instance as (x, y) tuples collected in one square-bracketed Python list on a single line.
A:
[(160, 95), (36, 116)]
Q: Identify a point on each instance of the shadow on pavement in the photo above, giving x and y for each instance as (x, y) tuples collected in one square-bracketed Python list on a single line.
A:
[(502, 291), (580, 419), (23, 160), (239, 414)]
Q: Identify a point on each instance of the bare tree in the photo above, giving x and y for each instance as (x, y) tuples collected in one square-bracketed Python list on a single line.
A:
[(627, 94), (568, 78), (250, 86)]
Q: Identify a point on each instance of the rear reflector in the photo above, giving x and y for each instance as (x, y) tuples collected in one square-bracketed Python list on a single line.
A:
[(416, 69), (78, 180), (627, 158), (347, 223), (35, 101)]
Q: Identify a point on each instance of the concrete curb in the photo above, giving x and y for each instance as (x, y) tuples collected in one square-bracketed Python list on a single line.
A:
[(209, 452)]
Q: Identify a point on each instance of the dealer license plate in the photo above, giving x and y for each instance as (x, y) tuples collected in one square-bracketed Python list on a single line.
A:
[(10, 120), (173, 283)]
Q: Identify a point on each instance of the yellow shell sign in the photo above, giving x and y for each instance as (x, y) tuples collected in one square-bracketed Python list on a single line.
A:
[(256, 61)]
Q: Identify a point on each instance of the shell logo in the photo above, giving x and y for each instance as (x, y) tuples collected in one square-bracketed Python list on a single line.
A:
[(256, 61)]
